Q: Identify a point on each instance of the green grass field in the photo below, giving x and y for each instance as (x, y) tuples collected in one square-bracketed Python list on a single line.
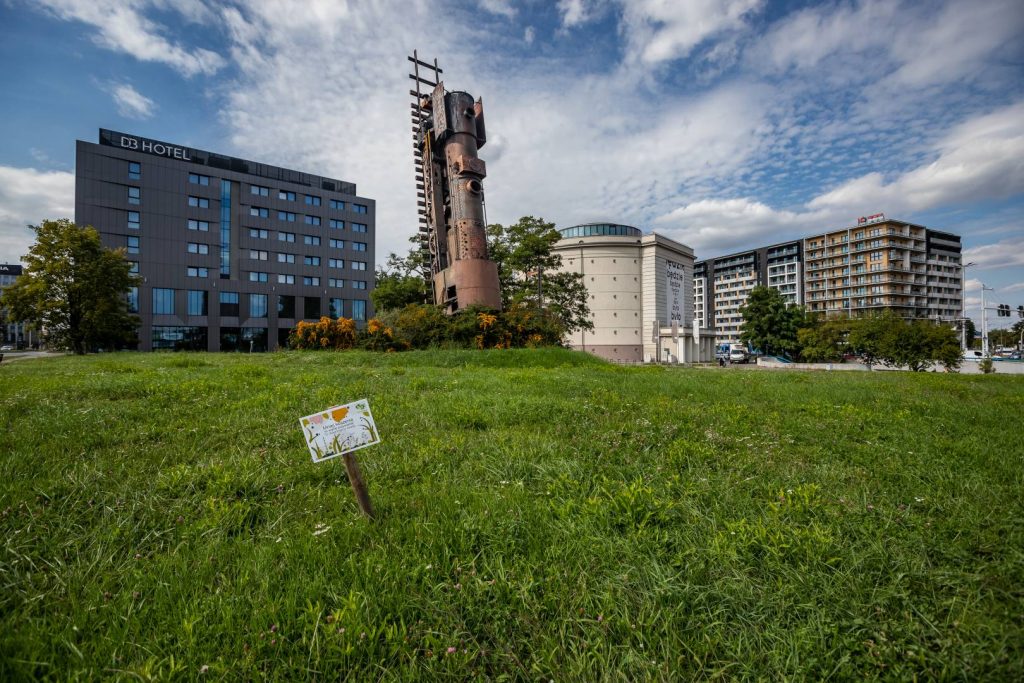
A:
[(541, 515)]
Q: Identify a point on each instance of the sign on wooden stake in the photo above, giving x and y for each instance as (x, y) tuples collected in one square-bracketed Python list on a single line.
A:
[(339, 431)]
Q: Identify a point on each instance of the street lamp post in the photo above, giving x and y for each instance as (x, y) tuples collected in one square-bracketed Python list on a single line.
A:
[(984, 320), (963, 305)]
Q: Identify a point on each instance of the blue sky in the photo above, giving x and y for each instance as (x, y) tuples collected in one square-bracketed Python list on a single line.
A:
[(721, 123)]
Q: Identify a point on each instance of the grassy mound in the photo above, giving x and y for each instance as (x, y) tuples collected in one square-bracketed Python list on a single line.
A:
[(540, 515)]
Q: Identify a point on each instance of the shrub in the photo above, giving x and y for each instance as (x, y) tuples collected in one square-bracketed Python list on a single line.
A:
[(326, 334)]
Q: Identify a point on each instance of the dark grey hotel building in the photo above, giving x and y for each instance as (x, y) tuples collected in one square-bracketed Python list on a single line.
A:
[(232, 253)]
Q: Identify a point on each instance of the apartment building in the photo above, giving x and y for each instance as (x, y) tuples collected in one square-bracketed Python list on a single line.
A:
[(722, 284), (884, 264)]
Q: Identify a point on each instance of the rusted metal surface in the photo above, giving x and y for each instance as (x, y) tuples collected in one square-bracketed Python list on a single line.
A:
[(448, 132)]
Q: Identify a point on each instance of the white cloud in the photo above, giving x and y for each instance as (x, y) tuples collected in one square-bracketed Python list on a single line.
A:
[(1018, 287), (574, 12), (500, 7), (28, 196), (130, 102), (1002, 254), (120, 25), (979, 159), (529, 34), (662, 30)]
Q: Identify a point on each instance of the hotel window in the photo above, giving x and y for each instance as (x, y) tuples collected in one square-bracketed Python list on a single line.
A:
[(335, 282), (337, 204), (198, 302), (196, 248), (311, 260), (133, 220), (285, 258), (163, 301), (358, 310), (358, 284), (194, 271), (286, 216), (310, 281), (876, 256), (134, 170), (311, 307), (358, 227), (336, 224), (259, 212), (359, 208), (257, 305), (133, 299), (285, 306), (288, 196), (312, 200), (283, 279), (312, 220), (133, 267), (201, 226), (259, 190), (334, 308), (257, 255), (134, 195), (229, 304), (286, 237), (199, 202), (311, 239), (255, 276), (197, 179), (133, 244), (336, 263), (258, 233), (359, 246), (337, 244), (358, 265)]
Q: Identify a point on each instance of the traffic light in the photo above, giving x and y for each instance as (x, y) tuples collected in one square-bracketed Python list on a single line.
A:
[(1020, 312), (1004, 310)]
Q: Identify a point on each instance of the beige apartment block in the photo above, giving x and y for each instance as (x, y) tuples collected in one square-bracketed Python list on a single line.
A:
[(886, 264), (640, 294)]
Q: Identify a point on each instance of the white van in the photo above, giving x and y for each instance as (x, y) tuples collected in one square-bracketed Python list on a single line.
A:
[(738, 353)]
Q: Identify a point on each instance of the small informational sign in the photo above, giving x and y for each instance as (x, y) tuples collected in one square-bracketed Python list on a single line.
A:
[(340, 430)]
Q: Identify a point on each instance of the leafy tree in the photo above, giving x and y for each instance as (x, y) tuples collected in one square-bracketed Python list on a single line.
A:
[(969, 333), (401, 281), (823, 341), (1002, 337), (769, 323), (865, 338), (73, 289), (529, 273)]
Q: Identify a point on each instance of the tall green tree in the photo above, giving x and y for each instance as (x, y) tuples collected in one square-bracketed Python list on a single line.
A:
[(530, 274), (74, 290), (402, 280), (969, 333), (770, 324)]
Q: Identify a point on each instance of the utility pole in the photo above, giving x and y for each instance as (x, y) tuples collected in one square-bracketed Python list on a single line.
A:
[(963, 305), (984, 323)]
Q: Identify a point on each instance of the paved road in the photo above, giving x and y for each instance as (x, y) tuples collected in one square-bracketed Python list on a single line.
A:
[(14, 356)]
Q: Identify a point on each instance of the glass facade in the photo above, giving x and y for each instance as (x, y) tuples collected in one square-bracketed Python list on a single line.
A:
[(285, 306), (225, 229), (334, 308), (311, 307), (198, 302), (163, 301), (229, 304), (358, 310), (600, 230), (254, 339), (257, 305), (178, 338)]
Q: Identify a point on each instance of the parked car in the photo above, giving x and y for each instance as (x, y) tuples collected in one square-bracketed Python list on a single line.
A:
[(7, 347), (973, 354)]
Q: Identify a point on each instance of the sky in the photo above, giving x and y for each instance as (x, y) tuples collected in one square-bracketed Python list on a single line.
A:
[(724, 124)]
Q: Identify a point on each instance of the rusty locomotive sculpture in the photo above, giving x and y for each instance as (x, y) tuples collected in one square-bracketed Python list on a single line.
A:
[(448, 130)]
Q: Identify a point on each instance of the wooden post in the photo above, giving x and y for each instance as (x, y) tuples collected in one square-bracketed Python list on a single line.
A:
[(355, 477)]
